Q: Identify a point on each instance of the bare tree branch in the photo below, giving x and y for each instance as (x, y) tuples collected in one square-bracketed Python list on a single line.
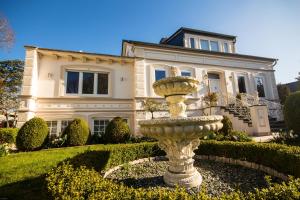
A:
[(7, 36)]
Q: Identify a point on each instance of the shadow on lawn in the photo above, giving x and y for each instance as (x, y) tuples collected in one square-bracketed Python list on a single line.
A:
[(35, 188), (96, 160)]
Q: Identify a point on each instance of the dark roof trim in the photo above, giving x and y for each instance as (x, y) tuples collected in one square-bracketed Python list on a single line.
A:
[(172, 47), (78, 52), (200, 32)]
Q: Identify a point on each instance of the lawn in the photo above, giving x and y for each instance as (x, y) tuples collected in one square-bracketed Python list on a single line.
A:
[(22, 174)]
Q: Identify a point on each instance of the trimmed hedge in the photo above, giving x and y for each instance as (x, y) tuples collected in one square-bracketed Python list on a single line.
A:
[(32, 135), (114, 155), (77, 178), (8, 135), (77, 132), (285, 159), (117, 131), (292, 112)]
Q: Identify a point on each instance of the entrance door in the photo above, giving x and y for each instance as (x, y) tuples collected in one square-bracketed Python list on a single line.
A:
[(214, 83)]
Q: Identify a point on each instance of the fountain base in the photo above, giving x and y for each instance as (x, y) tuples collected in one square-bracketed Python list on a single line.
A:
[(187, 180)]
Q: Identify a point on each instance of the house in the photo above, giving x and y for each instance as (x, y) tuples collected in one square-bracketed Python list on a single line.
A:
[(59, 85)]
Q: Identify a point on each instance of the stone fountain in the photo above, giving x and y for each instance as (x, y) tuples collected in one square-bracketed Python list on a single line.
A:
[(179, 135)]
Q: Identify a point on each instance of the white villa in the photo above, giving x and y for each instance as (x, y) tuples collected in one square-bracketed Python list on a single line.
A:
[(60, 85)]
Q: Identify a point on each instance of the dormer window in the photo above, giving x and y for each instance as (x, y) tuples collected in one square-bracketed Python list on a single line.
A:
[(214, 46), (204, 44), (226, 49), (192, 43)]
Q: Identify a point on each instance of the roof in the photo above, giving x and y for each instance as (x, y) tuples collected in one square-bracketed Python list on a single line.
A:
[(78, 52), (172, 47), (199, 32)]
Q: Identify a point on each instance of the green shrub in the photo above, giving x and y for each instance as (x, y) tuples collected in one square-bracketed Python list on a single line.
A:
[(32, 134), (8, 135), (283, 158), (292, 112), (117, 131), (3, 150), (236, 136), (77, 132), (227, 126)]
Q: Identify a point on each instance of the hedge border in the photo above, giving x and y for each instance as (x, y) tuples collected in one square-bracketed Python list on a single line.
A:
[(60, 181)]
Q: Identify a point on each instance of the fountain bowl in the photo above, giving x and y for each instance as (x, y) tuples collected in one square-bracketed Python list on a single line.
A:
[(188, 127), (179, 85)]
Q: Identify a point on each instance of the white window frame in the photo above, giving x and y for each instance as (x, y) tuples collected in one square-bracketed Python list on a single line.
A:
[(246, 82), (227, 47), (200, 46), (264, 84), (51, 127), (81, 81), (99, 119), (219, 49)]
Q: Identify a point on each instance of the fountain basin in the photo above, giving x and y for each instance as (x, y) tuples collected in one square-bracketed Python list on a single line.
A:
[(179, 137), (179, 85), (189, 127)]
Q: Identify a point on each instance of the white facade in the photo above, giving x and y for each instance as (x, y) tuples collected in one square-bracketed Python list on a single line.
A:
[(130, 78)]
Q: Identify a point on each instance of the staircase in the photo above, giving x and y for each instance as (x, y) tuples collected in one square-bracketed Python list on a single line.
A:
[(239, 111), (277, 126)]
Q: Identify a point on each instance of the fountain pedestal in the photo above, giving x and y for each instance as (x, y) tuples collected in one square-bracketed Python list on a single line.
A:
[(181, 170), (179, 135)]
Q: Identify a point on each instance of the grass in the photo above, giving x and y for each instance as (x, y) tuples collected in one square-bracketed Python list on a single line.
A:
[(22, 174)]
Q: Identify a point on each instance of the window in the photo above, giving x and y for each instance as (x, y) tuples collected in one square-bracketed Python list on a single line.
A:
[(260, 86), (64, 124), (87, 83), (186, 73), (214, 46), (100, 126), (72, 82), (241, 84), (84, 83), (204, 44), (102, 84), (192, 43), (159, 74), (226, 49), (52, 127)]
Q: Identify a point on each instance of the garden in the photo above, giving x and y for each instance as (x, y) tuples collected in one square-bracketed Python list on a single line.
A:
[(77, 165)]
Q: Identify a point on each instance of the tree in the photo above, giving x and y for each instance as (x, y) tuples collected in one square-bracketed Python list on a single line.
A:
[(210, 100), (7, 36), (11, 73), (152, 106), (298, 77), (283, 92)]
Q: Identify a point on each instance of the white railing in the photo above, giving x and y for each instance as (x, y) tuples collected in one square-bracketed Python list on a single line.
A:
[(275, 109)]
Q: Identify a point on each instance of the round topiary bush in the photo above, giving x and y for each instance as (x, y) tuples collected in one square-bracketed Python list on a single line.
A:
[(227, 126), (77, 132), (117, 131), (32, 135), (292, 112)]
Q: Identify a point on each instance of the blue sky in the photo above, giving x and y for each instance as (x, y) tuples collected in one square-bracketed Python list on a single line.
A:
[(268, 28)]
